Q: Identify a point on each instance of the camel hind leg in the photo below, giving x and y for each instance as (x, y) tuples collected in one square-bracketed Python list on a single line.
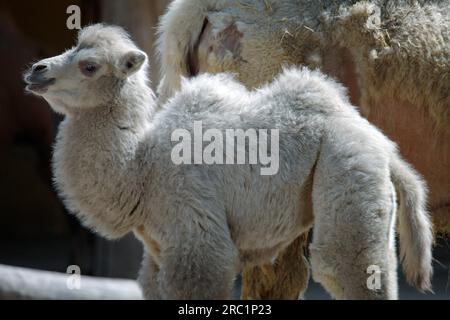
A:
[(353, 250), (358, 275)]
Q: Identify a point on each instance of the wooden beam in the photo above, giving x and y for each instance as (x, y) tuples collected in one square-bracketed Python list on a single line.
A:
[(27, 284)]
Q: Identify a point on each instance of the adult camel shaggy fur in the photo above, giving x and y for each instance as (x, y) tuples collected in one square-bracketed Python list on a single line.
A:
[(201, 224), (392, 56)]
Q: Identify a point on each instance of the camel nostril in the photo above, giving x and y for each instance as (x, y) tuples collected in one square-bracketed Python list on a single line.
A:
[(39, 68)]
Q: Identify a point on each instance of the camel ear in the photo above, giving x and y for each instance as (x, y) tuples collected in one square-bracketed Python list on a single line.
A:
[(220, 40), (131, 62)]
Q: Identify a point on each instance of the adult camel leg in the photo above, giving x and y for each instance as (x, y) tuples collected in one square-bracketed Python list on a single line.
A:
[(286, 279)]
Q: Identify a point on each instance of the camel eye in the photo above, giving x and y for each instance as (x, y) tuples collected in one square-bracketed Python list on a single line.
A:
[(88, 68), (91, 68)]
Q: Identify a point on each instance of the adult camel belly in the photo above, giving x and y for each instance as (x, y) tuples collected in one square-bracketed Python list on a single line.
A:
[(421, 141), (423, 146)]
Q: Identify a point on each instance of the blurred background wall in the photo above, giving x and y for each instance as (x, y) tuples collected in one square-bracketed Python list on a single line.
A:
[(35, 229)]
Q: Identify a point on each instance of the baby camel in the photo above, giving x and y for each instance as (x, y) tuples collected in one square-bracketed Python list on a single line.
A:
[(202, 223)]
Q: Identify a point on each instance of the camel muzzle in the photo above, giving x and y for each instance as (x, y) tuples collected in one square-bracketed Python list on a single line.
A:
[(36, 82)]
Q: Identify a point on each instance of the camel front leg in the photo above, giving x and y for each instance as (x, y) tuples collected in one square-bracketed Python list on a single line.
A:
[(200, 262), (149, 272), (148, 278)]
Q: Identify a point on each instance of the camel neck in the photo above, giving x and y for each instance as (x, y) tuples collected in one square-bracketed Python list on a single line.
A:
[(117, 127), (97, 158)]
